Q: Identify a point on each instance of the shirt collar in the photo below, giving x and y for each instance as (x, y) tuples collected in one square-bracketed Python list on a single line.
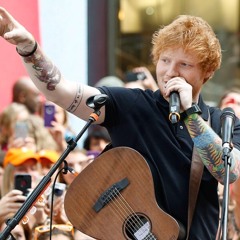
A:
[(204, 108)]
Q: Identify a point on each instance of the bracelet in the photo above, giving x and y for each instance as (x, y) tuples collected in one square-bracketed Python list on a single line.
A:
[(193, 109), (31, 53)]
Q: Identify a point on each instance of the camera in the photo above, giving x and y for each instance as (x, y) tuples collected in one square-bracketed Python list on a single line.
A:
[(59, 189), (134, 76), (23, 182)]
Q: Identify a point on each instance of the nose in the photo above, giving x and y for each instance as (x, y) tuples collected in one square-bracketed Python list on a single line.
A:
[(172, 71)]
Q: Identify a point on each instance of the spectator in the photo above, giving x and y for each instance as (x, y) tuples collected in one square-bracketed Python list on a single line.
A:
[(19, 128), (25, 92), (77, 160), (59, 232), (20, 232), (20, 160), (110, 81), (17, 161), (140, 77), (42, 138), (60, 128), (96, 140), (231, 98), (9, 116), (47, 158), (2, 154)]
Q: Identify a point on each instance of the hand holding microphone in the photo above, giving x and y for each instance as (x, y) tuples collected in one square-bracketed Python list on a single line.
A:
[(174, 107), (176, 86)]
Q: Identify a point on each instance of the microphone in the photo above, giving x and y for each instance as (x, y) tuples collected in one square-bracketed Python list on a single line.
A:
[(174, 107), (227, 121), (97, 101)]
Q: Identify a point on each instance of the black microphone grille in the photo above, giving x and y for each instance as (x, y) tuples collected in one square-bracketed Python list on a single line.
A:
[(228, 112)]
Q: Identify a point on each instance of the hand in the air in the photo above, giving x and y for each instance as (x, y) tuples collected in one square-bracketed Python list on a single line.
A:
[(14, 32)]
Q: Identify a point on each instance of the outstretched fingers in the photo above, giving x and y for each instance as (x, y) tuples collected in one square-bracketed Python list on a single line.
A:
[(10, 29)]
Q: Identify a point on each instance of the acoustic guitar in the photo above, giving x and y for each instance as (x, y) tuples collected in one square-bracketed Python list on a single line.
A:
[(113, 198)]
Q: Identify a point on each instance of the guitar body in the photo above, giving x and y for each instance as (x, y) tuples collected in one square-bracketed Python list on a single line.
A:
[(113, 198)]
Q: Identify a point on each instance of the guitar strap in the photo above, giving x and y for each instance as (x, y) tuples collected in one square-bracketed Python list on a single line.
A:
[(194, 183)]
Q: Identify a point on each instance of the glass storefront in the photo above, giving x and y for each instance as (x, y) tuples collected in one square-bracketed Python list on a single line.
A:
[(130, 36)]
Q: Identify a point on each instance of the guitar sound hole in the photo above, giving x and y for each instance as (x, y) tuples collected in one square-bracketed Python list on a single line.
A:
[(136, 227)]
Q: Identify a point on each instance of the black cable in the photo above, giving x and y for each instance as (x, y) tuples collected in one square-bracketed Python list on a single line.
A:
[(65, 169)]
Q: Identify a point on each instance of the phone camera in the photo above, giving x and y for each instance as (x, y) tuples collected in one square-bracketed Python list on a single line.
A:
[(49, 110), (141, 76), (23, 183), (58, 192)]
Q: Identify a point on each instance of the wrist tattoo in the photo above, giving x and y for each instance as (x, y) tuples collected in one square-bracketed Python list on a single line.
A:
[(77, 99)]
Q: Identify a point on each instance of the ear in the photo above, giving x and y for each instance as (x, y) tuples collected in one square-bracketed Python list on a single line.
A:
[(208, 75)]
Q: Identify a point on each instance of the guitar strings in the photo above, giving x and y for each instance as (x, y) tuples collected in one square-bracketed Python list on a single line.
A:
[(137, 219), (126, 211), (118, 202)]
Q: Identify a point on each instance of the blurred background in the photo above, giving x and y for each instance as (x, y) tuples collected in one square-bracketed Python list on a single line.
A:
[(91, 39)]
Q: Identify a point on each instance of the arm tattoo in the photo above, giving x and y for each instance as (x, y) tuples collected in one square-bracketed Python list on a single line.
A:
[(77, 99), (45, 70), (209, 147)]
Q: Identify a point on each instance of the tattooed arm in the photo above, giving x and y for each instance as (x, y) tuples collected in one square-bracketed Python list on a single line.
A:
[(46, 76), (209, 147)]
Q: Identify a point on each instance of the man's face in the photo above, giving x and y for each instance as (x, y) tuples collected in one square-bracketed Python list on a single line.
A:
[(97, 144), (232, 100), (33, 100), (175, 62)]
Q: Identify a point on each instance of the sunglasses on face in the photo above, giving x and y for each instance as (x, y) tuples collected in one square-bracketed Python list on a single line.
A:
[(46, 228)]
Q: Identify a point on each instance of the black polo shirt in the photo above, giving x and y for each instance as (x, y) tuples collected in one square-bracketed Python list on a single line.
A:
[(139, 119)]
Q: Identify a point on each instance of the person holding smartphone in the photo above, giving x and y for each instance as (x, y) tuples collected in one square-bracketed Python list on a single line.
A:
[(140, 77), (57, 122), (13, 134), (19, 164)]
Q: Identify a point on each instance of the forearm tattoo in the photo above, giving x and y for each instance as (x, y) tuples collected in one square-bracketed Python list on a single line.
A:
[(45, 70), (209, 146), (77, 99)]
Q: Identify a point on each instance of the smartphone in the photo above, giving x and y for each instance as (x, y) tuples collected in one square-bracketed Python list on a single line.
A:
[(134, 76), (21, 130), (57, 191), (93, 153), (48, 114), (23, 182)]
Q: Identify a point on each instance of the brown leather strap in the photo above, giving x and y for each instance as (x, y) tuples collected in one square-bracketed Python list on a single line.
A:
[(194, 184)]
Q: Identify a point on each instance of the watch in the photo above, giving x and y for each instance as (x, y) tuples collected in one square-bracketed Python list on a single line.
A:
[(193, 109)]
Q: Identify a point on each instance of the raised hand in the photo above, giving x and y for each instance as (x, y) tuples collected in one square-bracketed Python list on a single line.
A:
[(14, 32)]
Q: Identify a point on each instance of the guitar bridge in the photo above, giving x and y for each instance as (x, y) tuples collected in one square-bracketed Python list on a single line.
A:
[(110, 194)]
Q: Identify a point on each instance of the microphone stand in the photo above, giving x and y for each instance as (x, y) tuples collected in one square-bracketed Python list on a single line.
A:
[(95, 102), (227, 163)]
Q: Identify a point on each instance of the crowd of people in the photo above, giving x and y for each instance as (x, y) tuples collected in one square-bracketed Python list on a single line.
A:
[(28, 147), (186, 54)]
